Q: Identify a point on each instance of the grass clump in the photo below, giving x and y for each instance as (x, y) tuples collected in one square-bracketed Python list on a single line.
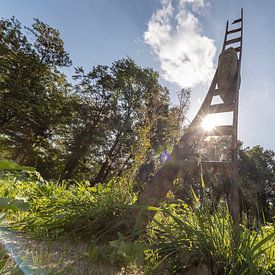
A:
[(183, 238)]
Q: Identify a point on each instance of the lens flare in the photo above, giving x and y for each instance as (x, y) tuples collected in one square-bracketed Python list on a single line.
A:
[(208, 123)]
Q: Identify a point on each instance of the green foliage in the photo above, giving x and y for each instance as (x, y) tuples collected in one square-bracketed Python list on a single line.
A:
[(121, 108), (32, 99), (130, 252), (102, 126), (256, 252), (10, 165), (77, 210), (257, 174), (183, 238), (14, 205), (120, 252), (179, 238)]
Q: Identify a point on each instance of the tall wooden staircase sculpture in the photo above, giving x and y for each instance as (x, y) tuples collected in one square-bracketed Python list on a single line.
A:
[(178, 161)]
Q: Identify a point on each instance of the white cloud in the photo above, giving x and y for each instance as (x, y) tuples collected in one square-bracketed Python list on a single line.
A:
[(174, 33)]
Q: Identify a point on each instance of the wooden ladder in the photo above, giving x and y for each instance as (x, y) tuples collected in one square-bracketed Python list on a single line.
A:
[(162, 182), (208, 108)]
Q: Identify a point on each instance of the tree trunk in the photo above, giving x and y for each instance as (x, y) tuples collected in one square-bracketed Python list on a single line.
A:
[(78, 153), (101, 175)]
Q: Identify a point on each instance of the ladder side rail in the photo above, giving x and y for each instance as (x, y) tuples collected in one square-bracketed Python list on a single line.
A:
[(205, 105), (235, 113), (225, 36)]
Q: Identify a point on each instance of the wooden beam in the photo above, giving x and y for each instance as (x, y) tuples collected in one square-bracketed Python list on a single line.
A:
[(234, 30), (221, 108), (216, 92), (232, 41), (237, 21), (220, 131)]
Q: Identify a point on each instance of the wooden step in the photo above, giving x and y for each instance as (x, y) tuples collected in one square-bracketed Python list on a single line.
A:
[(221, 108), (237, 21), (226, 130), (234, 30), (232, 41), (216, 92)]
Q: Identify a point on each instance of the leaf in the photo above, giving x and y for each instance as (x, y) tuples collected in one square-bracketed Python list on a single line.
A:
[(4, 202), (14, 205), (195, 196), (20, 205), (263, 242), (146, 207), (202, 180), (10, 165), (2, 218)]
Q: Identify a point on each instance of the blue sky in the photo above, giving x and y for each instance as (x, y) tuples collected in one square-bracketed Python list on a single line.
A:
[(179, 38)]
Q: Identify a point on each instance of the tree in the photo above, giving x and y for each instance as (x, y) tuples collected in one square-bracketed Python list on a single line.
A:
[(115, 103), (139, 100), (31, 87), (257, 173), (168, 129), (91, 118)]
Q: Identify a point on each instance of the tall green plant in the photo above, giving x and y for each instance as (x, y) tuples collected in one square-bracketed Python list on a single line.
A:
[(183, 238), (77, 210)]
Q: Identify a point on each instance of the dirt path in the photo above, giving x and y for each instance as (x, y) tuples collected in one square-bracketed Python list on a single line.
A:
[(58, 257)]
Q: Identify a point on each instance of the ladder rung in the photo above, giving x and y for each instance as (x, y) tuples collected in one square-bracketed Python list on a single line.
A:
[(231, 41), (235, 30), (221, 131), (237, 21), (221, 108), (216, 92), (238, 49)]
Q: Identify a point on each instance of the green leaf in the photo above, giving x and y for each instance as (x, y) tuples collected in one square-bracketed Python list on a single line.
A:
[(20, 205), (10, 165), (202, 181), (2, 218), (4, 202), (14, 205)]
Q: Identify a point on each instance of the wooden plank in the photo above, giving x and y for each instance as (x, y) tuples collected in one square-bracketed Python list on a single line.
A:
[(226, 130), (237, 21), (221, 108), (234, 30), (231, 41), (216, 92)]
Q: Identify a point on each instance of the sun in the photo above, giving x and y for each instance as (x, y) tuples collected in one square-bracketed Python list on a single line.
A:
[(209, 123)]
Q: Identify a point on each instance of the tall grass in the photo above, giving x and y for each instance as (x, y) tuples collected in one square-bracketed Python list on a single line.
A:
[(183, 238), (59, 209)]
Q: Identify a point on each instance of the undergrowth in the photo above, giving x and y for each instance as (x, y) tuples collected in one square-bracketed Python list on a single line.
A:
[(180, 237), (61, 209)]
